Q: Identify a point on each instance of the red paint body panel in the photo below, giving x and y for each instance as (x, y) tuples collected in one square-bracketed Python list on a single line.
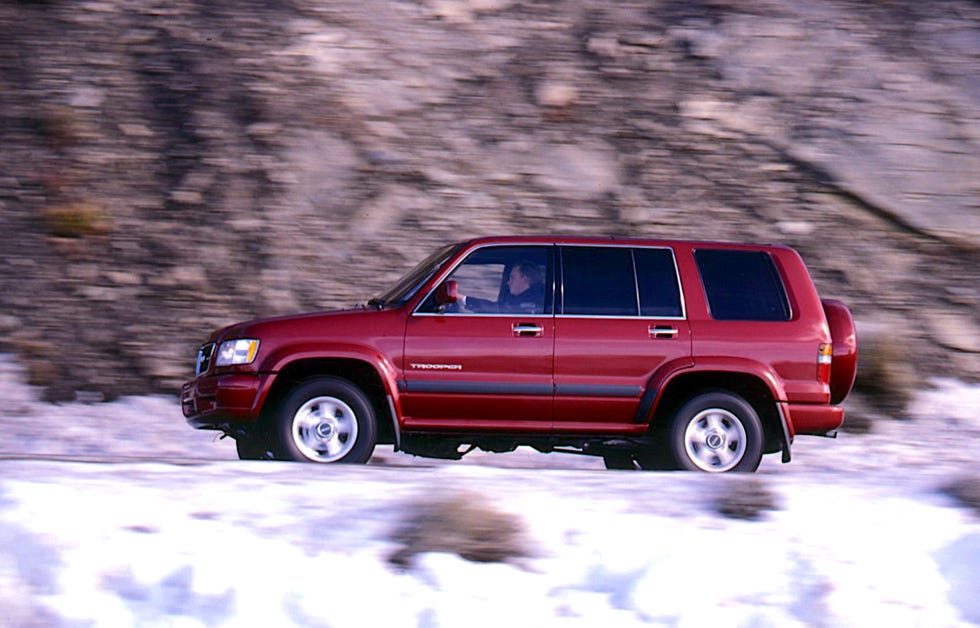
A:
[(504, 426), (593, 376), (219, 395), (446, 356), (615, 354), (786, 349), (844, 369), (223, 398), (818, 420)]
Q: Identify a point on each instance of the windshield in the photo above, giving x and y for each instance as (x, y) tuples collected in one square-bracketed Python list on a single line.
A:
[(408, 285)]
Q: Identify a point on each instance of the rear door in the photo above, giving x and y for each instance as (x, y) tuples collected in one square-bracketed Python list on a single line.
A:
[(485, 363), (620, 318)]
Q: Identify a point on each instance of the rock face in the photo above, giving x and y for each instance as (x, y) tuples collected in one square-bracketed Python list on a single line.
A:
[(170, 167)]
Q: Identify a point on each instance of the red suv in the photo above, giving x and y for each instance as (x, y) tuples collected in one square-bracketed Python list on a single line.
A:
[(651, 354)]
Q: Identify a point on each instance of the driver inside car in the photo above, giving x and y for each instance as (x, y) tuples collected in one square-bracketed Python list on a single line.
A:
[(524, 293)]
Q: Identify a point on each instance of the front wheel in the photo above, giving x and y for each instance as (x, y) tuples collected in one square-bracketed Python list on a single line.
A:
[(326, 419), (717, 432)]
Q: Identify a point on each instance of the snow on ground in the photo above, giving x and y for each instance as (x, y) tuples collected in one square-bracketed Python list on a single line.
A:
[(861, 532)]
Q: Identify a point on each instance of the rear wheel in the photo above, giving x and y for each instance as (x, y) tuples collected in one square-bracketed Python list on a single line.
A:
[(326, 419), (717, 432)]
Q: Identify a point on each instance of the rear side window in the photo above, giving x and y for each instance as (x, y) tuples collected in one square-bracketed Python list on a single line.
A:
[(598, 281), (656, 277), (742, 285)]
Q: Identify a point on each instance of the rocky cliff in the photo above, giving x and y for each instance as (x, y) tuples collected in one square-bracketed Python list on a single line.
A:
[(167, 167)]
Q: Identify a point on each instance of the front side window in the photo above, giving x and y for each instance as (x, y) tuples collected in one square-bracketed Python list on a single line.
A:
[(598, 281), (500, 280), (742, 285), (407, 286)]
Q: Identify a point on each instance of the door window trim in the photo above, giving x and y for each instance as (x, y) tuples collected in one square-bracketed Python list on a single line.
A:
[(549, 248), (560, 275)]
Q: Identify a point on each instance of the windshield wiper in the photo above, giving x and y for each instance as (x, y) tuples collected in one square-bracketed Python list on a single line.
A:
[(378, 303)]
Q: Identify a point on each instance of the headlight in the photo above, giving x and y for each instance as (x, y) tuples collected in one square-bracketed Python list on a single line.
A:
[(237, 352)]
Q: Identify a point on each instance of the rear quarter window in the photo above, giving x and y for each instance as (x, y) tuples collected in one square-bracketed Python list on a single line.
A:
[(742, 285)]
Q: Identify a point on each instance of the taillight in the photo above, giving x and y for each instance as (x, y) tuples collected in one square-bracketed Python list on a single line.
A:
[(825, 358)]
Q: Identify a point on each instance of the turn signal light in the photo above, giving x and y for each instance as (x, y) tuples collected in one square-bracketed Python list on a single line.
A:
[(825, 358)]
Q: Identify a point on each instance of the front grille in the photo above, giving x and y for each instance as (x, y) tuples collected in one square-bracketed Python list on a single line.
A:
[(204, 355)]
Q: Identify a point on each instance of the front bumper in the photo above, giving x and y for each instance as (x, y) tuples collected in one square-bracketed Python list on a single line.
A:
[(212, 401)]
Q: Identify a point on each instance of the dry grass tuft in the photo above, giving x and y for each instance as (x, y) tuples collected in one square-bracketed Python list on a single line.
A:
[(76, 220), (462, 524), (858, 422), (884, 376), (747, 499), (38, 356), (966, 490)]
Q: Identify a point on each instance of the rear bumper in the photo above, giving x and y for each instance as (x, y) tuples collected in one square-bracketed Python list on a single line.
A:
[(213, 401), (813, 419)]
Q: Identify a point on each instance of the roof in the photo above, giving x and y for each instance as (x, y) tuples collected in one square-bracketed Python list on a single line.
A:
[(609, 240)]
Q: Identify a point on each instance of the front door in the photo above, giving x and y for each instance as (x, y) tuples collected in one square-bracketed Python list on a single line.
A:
[(485, 362)]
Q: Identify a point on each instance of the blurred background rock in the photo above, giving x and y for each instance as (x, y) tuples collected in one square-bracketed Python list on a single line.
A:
[(169, 167)]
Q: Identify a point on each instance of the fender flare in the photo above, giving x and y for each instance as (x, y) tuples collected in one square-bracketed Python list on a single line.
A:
[(290, 354), (670, 371)]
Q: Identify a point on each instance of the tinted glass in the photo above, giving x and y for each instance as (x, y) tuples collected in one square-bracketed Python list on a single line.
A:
[(742, 286), (657, 279), (598, 281)]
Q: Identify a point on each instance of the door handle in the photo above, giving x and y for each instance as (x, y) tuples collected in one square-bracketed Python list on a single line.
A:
[(527, 329), (663, 331)]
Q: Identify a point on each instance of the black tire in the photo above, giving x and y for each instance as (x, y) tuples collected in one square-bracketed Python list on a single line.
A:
[(326, 419), (253, 448), (717, 432)]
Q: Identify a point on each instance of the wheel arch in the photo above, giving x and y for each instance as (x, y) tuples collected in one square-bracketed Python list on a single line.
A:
[(359, 372), (749, 386)]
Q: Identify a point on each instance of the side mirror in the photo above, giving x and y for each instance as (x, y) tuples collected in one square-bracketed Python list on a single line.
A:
[(447, 293)]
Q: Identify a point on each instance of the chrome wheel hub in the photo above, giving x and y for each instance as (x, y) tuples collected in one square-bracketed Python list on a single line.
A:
[(324, 429), (715, 440)]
